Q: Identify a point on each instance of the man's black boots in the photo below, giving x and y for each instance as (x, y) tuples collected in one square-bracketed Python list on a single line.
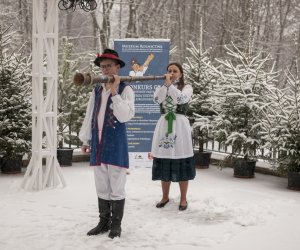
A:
[(116, 219), (105, 221)]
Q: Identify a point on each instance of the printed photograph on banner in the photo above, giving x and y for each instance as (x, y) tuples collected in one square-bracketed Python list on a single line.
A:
[(138, 69)]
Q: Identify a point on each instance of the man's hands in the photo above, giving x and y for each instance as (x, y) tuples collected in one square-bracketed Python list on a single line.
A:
[(113, 86), (85, 149)]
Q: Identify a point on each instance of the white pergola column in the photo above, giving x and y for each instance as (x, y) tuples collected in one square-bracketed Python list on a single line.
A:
[(44, 98)]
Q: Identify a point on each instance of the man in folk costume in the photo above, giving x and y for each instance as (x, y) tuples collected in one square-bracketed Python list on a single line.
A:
[(103, 134)]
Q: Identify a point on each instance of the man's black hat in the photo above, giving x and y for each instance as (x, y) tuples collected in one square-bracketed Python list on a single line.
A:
[(109, 54)]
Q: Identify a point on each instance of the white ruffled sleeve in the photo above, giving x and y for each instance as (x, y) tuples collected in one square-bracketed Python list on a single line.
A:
[(85, 134), (123, 105), (181, 96), (160, 94)]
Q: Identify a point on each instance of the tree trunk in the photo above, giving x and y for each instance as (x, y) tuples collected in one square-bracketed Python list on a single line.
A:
[(131, 28), (69, 19), (283, 20), (95, 33), (105, 29)]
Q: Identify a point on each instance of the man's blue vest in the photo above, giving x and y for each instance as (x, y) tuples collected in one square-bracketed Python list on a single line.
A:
[(113, 147)]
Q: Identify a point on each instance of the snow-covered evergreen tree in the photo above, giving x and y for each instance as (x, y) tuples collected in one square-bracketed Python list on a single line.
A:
[(200, 73), (15, 104), (242, 97), (282, 128), (72, 100)]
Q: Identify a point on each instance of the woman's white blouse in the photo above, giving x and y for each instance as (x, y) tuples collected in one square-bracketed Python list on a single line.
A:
[(179, 97)]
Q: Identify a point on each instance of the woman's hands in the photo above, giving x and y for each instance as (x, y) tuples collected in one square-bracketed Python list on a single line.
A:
[(168, 80)]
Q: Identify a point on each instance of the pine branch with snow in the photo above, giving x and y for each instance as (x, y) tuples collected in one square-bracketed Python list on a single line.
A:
[(241, 101), (201, 74), (282, 131), (15, 102), (72, 100)]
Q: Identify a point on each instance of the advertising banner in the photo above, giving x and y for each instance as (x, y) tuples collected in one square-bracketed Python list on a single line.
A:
[(143, 57)]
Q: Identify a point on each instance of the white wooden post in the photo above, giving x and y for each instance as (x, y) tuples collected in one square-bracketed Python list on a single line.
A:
[(44, 98)]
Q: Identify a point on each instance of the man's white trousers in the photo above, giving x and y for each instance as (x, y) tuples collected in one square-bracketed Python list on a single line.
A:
[(110, 182)]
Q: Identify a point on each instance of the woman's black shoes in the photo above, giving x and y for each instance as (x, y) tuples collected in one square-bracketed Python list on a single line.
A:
[(183, 207), (161, 204)]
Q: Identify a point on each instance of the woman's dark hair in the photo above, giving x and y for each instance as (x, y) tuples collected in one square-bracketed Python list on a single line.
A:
[(181, 79)]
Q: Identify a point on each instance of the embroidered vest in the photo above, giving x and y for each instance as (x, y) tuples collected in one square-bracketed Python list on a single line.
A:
[(113, 147), (180, 109)]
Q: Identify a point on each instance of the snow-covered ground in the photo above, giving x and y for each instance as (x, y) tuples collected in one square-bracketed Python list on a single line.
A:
[(224, 213)]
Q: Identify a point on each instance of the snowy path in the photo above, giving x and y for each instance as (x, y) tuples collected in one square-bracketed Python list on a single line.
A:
[(224, 213)]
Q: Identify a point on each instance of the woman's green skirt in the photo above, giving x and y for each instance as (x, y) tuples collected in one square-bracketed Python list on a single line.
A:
[(174, 170)]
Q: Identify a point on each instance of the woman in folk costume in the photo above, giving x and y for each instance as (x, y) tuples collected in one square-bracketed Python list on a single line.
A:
[(103, 134), (172, 149)]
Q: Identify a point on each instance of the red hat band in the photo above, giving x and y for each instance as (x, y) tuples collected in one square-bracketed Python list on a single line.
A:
[(111, 56)]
